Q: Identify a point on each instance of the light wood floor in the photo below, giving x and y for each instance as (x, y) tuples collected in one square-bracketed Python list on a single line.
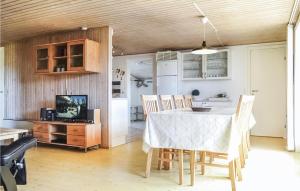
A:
[(268, 168)]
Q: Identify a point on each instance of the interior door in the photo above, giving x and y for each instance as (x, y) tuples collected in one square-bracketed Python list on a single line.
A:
[(268, 84), (1, 85)]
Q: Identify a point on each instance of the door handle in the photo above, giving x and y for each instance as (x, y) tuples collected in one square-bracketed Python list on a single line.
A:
[(255, 91)]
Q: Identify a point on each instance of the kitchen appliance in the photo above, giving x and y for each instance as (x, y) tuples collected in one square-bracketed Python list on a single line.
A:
[(116, 89), (167, 73)]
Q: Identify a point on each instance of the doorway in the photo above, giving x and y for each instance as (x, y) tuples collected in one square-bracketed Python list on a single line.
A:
[(268, 84), (141, 83)]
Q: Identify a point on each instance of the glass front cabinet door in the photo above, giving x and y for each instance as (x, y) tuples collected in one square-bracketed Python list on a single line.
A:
[(217, 65), (192, 66), (76, 54), (42, 58)]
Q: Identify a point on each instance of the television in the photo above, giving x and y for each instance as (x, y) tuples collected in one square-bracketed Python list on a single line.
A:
[(71, 107)]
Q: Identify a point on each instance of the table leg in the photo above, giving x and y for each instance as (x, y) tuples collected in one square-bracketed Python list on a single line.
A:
[(192, 166)]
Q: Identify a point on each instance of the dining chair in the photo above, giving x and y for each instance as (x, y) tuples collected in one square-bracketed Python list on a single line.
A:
[(166, 102), (241, 122), (179, 101), (150, 104), (243, 115), (188, 101)]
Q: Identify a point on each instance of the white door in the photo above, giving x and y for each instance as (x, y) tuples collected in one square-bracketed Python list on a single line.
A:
[(1, 85), (268, 84)]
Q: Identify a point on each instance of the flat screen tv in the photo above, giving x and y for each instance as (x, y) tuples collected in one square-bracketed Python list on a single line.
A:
[(71, 107)]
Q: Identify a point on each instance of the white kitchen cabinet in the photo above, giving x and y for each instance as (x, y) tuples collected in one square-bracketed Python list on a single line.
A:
[(119, 121), (206, 67)]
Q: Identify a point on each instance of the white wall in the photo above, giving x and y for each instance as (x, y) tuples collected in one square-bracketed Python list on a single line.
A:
[(136, 92), (290, 88), (297, 87), (1, 85), (118, 63)]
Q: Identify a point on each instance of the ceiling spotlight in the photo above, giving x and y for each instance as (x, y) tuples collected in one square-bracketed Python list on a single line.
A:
[(204, 20), (84, 28)]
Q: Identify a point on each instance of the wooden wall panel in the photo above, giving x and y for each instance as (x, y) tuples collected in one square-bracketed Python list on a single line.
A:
[(27, 92)]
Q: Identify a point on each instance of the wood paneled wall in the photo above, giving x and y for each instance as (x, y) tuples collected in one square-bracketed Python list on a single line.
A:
[(26, 92)]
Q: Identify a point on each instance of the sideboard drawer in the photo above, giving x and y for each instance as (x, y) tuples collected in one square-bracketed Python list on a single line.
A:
[(41, 127), (76, 140), (43, 137), (76, 130)]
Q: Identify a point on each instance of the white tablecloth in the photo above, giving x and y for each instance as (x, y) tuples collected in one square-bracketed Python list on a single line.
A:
[(206, 131)]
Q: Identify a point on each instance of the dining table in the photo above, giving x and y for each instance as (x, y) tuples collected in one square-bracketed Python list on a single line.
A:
[(215, 130)]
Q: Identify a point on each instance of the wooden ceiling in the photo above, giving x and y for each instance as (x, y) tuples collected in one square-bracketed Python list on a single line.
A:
[(142, 26)]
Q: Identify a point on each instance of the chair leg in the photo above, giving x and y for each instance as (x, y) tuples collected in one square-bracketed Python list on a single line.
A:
[(238, 169), (248, 139), (211, 158), (202, 160), (160, 157), (242, 156), (192, 166), (232, 175), (245, 147), (148, 166), (168, 165), (180, 165)]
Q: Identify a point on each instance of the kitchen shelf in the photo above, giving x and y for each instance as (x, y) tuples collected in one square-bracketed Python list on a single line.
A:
[(58, 133), (80, 55), (60, 57), (43, 58)]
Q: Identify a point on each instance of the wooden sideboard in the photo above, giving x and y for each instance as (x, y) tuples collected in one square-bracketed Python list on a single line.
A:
[(81, 135)]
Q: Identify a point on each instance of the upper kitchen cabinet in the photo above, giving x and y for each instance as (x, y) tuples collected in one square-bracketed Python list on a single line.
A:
[(206, 67), (71, 57)]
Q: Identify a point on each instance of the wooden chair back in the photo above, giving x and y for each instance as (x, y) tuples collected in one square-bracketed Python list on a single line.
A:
[(166, 102), (244, 110), (150, 104), (188, 101), (179, 101)]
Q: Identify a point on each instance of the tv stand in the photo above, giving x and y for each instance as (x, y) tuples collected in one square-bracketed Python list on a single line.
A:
[(78, 134)]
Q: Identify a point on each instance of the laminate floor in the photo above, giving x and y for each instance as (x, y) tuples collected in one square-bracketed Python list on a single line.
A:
[(268, 168)]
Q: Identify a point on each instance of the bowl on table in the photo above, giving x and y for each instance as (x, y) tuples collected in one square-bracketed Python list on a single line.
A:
[(201, 109)]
